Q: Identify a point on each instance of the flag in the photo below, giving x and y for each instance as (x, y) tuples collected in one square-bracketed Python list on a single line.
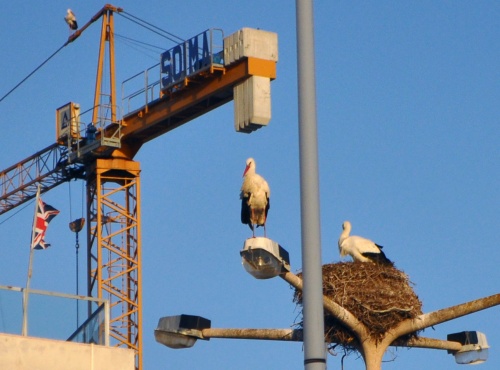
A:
[(44, 214)]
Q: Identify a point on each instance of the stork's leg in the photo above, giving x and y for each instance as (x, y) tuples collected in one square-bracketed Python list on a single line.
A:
[(251, 221), (250, 225), (265, 233)]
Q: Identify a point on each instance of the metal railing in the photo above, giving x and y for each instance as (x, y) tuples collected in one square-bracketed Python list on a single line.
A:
[(145, 90), (187, 59), (101, 135), (53, 315)]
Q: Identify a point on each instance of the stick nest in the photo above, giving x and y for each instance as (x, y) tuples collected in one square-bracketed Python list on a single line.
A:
[(380, 296)]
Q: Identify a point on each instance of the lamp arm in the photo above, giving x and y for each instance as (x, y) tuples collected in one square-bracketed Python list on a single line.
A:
[(339, 312), (437, 317)]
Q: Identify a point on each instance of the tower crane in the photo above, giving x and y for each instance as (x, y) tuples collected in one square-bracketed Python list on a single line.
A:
[(194, 79)]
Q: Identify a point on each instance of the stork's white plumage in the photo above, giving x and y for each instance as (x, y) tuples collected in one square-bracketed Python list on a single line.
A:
[(254, 195), (359, 248), (71, 20)]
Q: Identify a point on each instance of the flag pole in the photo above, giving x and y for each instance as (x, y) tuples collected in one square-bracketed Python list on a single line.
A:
[(30, 269)]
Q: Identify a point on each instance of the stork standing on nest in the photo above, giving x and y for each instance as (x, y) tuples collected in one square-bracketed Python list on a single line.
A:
[(254, 195), (359, 248)]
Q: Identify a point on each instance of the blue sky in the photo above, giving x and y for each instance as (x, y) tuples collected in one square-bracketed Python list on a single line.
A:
[(408, 113)]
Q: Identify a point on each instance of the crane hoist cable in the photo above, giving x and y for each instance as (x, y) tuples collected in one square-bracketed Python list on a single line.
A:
[(76, 226)]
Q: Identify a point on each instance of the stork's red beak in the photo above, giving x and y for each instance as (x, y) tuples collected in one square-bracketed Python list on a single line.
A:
[(246, 169)]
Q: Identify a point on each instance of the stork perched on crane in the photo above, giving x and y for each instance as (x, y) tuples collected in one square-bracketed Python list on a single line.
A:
[(71, 20), (359, 248), (254, 195)]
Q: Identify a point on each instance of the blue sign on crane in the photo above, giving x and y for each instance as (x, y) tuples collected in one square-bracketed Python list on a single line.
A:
[(187, 58)]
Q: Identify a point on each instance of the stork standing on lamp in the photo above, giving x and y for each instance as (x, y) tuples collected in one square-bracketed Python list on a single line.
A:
[(254, 195)]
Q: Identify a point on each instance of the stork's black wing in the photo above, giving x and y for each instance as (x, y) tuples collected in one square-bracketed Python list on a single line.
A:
[(245, 210), (378, 258)]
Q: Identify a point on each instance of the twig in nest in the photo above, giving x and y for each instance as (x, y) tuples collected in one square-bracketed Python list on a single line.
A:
[(390, 309)]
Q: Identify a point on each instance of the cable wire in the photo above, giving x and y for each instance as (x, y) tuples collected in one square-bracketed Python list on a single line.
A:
[(8, 218), (145, 49), (152, 27), (33, 72), (70, 207), (139, 42), (168, 35)]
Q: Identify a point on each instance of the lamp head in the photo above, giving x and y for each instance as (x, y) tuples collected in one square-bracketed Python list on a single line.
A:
[(264, 258), (474, 347), (181, 331)]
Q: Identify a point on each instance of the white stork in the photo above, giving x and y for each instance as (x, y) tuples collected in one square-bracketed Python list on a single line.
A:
[(359, 248), (71, 20), (254, 197)]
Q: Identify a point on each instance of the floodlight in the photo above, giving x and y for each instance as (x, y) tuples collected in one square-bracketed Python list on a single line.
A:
[(474, 347), (181, 331), (264, 258)]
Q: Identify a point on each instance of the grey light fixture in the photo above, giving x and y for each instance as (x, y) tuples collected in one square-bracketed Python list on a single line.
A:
[(474, 347), (181, 331), (264, 258)]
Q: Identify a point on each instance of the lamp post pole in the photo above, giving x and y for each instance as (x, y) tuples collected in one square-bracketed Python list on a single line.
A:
[(314, 341)]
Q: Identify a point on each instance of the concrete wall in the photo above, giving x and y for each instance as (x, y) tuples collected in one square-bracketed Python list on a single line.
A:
[(30, 353)]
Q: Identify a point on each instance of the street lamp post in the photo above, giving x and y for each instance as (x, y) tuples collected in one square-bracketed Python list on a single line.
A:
[(264, 258), (314, 346)]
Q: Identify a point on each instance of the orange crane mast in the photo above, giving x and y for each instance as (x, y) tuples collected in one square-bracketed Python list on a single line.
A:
[(104, 158)]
